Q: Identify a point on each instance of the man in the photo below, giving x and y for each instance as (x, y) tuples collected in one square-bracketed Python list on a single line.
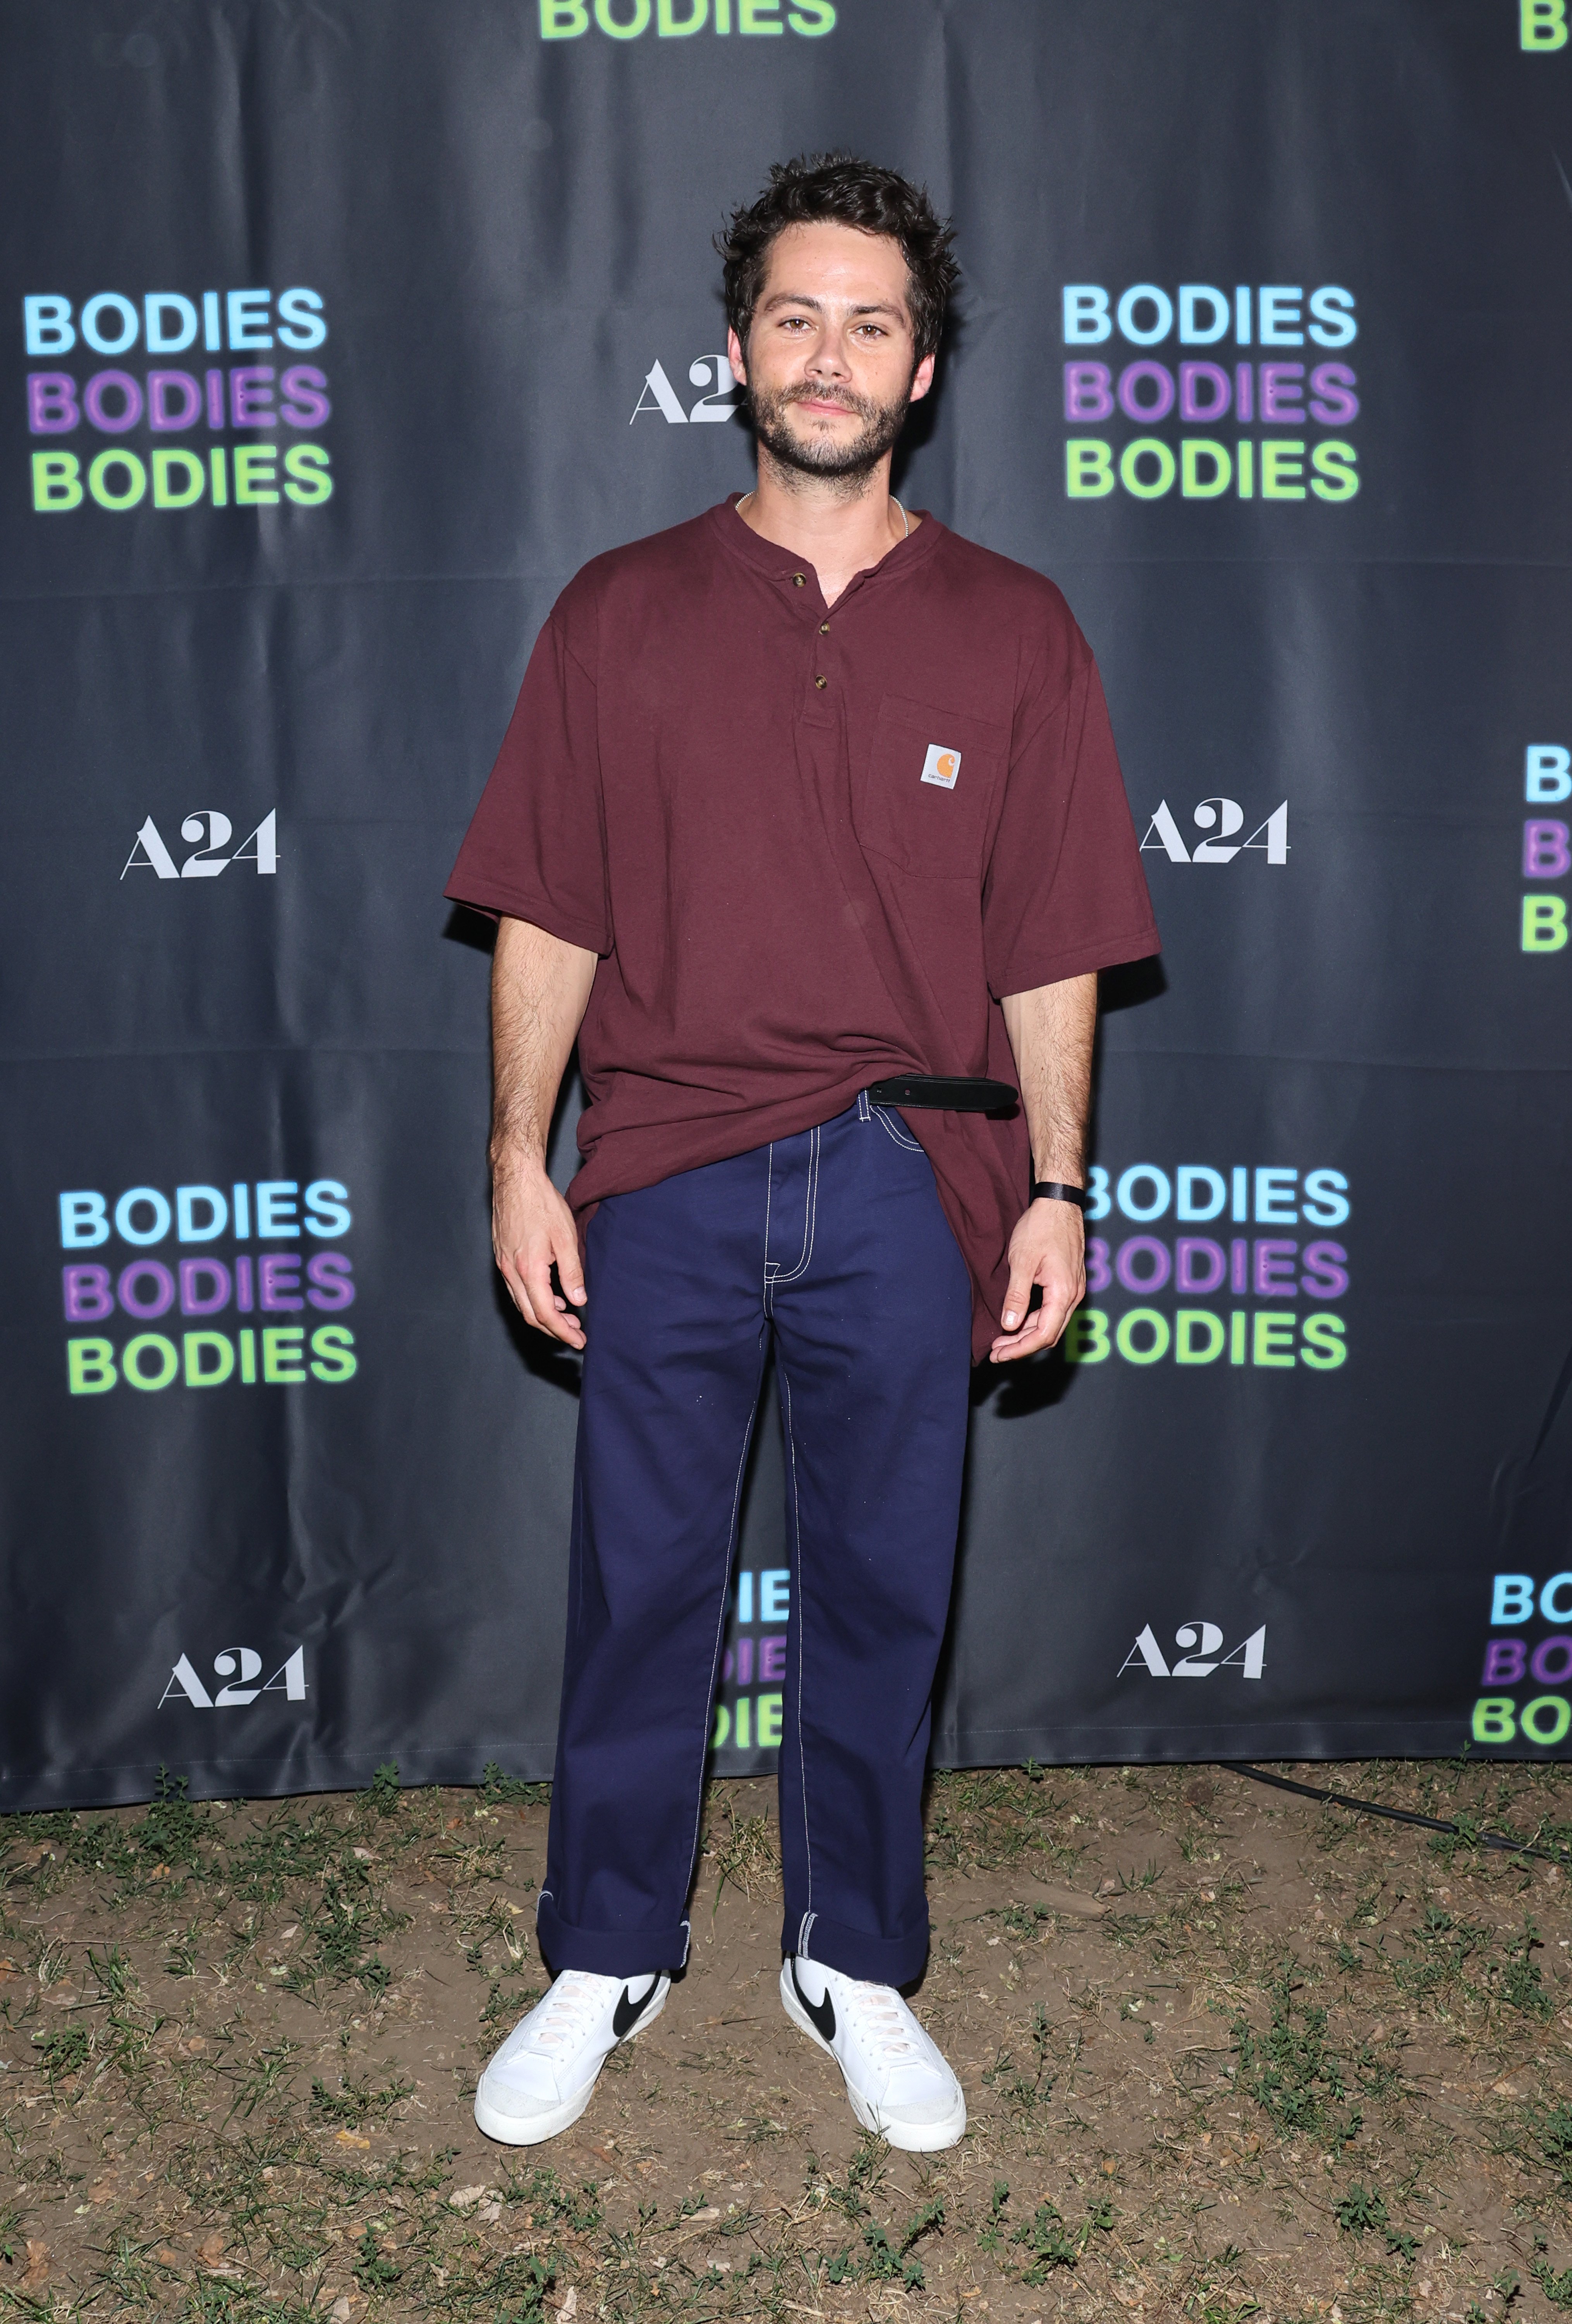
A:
[(806, 806)]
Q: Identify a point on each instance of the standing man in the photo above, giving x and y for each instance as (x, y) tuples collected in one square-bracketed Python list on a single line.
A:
[(808, 828)]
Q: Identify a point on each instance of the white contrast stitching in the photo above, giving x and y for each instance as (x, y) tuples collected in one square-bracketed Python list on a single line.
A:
[(897, 1131), (863, 1112), (769, 1195), (809, 1220), (720, 1622), (802, 1621)]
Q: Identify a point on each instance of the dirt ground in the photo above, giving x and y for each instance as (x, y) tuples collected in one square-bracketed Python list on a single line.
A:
[(1227, 2055)]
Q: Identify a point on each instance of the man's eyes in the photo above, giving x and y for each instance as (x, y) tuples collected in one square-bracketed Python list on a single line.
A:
[(798, 323)]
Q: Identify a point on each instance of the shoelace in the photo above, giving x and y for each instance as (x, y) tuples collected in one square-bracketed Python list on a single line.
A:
[(569, 2006), (882, 2015)]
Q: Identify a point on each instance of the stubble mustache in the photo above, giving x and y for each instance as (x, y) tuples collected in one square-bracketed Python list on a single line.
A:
[(881, 424)]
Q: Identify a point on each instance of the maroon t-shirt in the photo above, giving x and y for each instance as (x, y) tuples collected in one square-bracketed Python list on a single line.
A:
[(812, 846)]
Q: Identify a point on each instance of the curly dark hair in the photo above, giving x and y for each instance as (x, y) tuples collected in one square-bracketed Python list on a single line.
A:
[(846, 191)]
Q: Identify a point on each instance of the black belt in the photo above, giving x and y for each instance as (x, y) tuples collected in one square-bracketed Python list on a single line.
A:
[(950, 1096)]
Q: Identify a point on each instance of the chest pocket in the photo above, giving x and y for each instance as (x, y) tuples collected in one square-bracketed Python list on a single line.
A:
[(925, 796)]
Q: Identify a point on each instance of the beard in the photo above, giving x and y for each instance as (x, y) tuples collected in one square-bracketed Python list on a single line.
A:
[(824, 457)]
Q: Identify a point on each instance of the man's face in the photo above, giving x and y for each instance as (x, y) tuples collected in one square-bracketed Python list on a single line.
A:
[(828, 365)]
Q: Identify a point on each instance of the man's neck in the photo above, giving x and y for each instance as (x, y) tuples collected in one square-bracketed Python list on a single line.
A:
[(838, 525)]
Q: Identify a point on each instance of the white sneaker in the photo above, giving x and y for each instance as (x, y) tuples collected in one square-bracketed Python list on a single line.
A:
[(541, 2078), (899, 2081)]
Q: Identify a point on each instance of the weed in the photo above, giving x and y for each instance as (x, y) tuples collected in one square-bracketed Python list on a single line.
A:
[(498, 1790), (1522, 1985), (184, 1950), (1025, 1920), (1552, 2126), (748, 1855), (519, 2285), (1447, 1844), (889, 2263), (1360, 2209), (548, 2203), (1135, 1882), (172, 1829), (271, 2070), (863, 2173), (508, 2001), (991, 2234), (62, 2052), (1050, 2244), (1556, 2289), (1023, 2088), (336, 1936), (1290, 2070), (354, 2101), (1215, 2301), (114, 1971), (384, 1789), (373, 2270), (130, 2272), (982, 1818)]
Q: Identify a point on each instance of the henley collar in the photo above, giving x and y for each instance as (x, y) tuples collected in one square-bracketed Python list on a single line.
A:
[(773, 563)]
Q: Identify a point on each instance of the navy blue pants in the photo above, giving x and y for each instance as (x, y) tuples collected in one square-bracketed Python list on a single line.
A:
[(833, 1242)]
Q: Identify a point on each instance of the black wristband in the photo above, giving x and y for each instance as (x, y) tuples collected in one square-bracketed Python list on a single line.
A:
[(1056, 1193)]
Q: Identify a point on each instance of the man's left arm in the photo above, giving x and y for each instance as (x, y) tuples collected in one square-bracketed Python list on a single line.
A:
[(1050, 1032)]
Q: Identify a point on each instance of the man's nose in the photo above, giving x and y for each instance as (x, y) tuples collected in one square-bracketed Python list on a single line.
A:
[(829, 359)]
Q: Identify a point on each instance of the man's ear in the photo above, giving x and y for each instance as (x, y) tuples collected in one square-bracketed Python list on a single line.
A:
[(923, 378), (734, 356)]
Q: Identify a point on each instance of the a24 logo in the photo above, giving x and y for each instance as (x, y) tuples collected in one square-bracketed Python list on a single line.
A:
[(658, 395), (237, 1667), (1198, 1643), (1225, 817), (261, 848)]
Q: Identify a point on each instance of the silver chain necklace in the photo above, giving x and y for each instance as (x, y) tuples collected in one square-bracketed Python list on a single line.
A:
[(905, 523)]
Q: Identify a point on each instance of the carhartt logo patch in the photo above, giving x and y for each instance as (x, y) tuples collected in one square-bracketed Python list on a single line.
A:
[(940, 766)]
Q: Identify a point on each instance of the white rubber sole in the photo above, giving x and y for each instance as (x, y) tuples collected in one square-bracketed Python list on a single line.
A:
[(534, 2130), (911, 2137)]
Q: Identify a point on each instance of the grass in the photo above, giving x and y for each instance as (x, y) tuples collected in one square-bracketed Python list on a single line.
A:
[(744, 1849), (1280, 2059)]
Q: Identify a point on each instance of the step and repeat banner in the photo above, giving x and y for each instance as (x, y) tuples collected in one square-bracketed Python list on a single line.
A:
[(336, 335)]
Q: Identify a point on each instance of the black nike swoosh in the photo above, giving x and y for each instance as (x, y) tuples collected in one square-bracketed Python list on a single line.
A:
[(823, 2014), (627, 2012)]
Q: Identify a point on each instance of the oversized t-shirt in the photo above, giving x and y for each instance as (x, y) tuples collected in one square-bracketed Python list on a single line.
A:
[(812, 846)]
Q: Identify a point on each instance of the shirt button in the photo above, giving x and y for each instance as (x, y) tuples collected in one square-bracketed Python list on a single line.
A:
[(799, 580), (821, 683), (824, 629)]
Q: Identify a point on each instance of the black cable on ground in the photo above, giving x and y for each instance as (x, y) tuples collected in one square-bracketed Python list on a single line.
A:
[(1395, 1815)]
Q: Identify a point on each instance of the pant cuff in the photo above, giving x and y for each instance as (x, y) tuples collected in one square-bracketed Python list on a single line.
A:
[(874, 1960), (608, 1952)]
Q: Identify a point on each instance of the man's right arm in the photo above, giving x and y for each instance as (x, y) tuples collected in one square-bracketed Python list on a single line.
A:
[(540, 989)]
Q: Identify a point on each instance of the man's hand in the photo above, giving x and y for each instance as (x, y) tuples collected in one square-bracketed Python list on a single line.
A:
[(540, 989), (532, 1229), (1048, 1247)]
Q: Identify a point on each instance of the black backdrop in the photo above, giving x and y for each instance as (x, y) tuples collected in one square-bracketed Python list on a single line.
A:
[(287, 1492)]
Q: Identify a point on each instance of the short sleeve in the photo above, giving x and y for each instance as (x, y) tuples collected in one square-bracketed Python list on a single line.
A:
[(1065, 892), (537, 846)]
